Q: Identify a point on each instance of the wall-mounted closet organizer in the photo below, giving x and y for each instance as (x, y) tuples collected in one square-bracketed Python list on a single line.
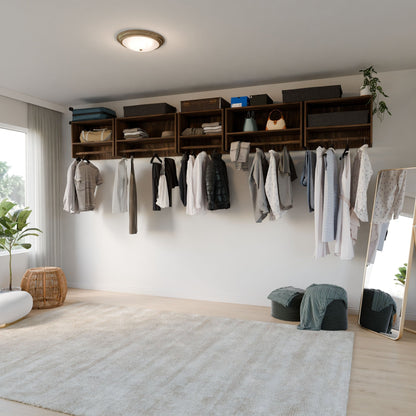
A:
[(338, 122), (198, 142), (162, 136), (330, 123), (92, 150), (291, 137)]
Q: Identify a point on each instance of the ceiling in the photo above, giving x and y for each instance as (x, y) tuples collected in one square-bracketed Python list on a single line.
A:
[(65, 52)]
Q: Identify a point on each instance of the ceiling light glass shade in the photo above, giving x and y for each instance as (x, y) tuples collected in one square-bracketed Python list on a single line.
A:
[(140, 40)]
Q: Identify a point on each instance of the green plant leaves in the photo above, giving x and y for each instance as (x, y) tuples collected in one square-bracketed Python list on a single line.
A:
[(6, 206)]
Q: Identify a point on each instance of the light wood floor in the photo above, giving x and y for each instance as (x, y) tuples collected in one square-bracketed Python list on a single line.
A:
[(383, 377)]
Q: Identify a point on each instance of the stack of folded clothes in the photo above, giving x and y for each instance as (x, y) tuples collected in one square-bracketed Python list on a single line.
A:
[(136, 133), (212, 128)]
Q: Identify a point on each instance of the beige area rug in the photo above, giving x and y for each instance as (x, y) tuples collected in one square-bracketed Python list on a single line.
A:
[(100, 360)]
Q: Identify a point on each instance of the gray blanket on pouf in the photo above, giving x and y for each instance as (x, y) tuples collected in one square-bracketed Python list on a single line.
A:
[(285, 295), (314, 304)]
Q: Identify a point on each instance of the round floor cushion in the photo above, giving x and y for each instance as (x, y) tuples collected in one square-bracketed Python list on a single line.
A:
[(14, 305), (286, 303)]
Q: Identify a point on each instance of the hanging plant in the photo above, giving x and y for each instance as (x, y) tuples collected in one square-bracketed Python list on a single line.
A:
[(376, 90)]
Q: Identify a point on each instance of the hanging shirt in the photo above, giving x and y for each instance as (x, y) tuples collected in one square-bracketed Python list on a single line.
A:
[(87, 178), (330, 206), (132, 200), (308, 177), (199, 182), (388, 205), (163, 195), (190, 192), (156, 168), (343, 242), (256, 176), (361, 173), (390, 196), (171, 177), (321, 248), (285, 175), (119, 203), (182, 178), (272, 187), (70, 196)]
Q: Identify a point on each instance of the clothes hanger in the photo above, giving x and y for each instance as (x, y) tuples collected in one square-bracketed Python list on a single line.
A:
[(346, 151), (157, 157)]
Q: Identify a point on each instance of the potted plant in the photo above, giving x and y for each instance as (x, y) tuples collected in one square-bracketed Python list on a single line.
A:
[(372, 86), (401, 276), (14, 228)]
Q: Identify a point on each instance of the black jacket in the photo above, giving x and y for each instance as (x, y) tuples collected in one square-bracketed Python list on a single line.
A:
[(217, 183)]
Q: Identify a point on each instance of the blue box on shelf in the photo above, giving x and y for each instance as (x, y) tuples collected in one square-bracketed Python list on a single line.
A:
[(239, 101)]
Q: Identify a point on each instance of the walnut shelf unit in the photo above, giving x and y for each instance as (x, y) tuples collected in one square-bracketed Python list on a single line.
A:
[(92, 150), (338, 136), (291, 137), (198, 143), (154, 125)]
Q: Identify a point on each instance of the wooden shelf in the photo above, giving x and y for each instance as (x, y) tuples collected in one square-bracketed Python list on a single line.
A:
[(337, 109), (154, 125), (146, 139), (339, 128), (195, 119), (206, 146), (91, 153), (94, 144), (266, 139), (140, 150), (97, 150)]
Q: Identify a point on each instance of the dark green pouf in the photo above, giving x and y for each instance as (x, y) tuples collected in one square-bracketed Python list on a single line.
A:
[(336, 317), (288, 313), (376, 321)]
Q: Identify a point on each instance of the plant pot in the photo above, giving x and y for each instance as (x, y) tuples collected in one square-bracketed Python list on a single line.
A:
[(365, 90)]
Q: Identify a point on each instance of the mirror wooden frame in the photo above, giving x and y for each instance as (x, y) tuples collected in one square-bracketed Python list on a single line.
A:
[(412, 248)]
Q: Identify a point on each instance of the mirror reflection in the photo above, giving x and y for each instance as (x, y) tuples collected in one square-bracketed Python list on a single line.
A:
[(390, 252)]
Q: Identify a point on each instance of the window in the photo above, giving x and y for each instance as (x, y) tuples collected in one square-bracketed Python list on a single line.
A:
[(13, 165)]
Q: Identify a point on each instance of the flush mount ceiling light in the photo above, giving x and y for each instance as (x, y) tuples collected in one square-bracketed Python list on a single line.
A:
[(140, 40)]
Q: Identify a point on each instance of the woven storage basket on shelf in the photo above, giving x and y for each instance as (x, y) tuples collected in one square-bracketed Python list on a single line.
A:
[(47, 285)]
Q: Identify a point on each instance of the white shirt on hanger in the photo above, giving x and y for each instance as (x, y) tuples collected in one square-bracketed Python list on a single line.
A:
[(343, 243), (190, 196), (199, 181)]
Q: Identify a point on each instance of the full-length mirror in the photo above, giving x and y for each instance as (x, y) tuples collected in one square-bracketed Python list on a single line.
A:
[(390, 252)]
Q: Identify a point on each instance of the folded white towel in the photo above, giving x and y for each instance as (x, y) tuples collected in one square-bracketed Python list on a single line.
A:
[(213, 124)]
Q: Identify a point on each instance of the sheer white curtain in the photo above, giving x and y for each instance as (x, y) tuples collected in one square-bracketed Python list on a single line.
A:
[(43, 191)]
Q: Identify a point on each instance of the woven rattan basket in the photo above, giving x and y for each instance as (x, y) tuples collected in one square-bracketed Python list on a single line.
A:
[(47, 285)]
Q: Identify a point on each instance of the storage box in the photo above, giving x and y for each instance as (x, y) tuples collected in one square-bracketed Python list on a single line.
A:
[(214, 103), (260, 99), (338, 118), (239, 101), (94, 113), (148, 109), (313, 93)]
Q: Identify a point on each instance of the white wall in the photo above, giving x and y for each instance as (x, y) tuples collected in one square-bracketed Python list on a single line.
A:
[(225, 255), (12, 113)]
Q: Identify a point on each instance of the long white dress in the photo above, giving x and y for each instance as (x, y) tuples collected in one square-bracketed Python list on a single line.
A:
[(321, 248), (200, 185), (344, 247), (190, 196)]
